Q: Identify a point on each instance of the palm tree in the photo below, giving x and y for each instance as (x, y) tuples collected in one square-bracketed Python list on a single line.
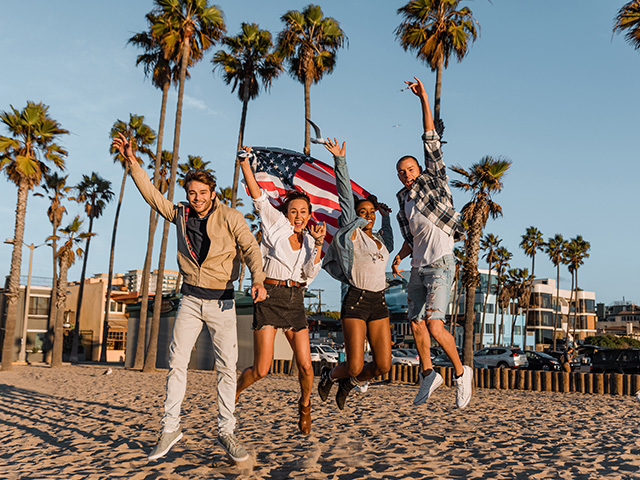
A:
[(577, 251), (489, 244), (628, 19), (531, 243), (66, 257), (556, 248), (458, 255), (55, 189), (23, 157), (520, 281), (95, 192), (194, 162), (158, 63), (483, 180), (143, 137), (436, 30), (504, 300), (189, 28), (250, 62), (309, 45), (503, 257)]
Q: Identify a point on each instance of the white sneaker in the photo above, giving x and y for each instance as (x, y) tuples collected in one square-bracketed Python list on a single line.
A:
[(464, 387), (428, 385)]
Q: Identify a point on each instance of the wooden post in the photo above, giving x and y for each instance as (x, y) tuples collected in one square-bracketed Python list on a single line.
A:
[(579, 382), (635, 384), (536, 380), (617, 384), (588, 383), (565, 382), (598, 380), (520, 379), (504, 378), (547, 385), (495, 378), (626, 385)]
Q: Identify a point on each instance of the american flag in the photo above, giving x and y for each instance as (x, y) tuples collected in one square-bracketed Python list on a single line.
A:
[(279, 171)]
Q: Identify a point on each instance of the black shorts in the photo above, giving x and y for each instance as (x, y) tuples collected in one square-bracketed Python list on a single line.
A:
[(283, 308), (365, 305)]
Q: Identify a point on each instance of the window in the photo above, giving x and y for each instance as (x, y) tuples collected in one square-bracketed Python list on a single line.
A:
[(517, 330), (116, 307), (39, 305), (488, 328), (115, 340)]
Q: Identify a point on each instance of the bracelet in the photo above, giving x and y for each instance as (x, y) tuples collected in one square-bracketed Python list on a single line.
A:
[(320, 243)]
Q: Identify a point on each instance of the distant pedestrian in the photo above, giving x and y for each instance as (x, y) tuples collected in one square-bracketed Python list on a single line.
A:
[(566, 359), (429, 225)]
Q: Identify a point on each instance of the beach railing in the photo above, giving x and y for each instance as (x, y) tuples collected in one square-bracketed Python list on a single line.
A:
[(509, 379)]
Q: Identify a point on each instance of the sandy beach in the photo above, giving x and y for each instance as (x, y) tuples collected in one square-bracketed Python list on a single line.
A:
[(77, 423)]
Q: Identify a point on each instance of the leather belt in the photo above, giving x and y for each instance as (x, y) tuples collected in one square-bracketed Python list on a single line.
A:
[(284, 283)]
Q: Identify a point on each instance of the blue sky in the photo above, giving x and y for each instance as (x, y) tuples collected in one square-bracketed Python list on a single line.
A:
[(546, 85)]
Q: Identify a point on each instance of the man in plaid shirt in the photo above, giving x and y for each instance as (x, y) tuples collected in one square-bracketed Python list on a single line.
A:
[(430, 226)]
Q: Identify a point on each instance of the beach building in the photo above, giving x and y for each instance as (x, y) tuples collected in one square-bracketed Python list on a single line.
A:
[(133, 281), (619, 318), (39, 329)]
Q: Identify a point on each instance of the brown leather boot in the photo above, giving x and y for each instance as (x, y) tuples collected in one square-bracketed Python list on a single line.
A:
[(304, 424)]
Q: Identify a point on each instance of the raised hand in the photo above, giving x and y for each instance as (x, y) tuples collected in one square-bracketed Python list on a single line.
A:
[(318, 232), (417, 88), (244, 154), (384, 209), (334, 147), (123, 145)]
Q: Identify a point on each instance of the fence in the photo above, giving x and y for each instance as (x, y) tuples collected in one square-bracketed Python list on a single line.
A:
[(510, 379)]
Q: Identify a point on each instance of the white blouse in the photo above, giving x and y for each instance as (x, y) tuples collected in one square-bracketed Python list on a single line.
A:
[(369, 263), (281, 262)]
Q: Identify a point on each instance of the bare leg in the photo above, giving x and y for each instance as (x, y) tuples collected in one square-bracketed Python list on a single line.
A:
[(379, 336), (355, 332), (423, 343), (446, 341), (262, 357), (299, 342)]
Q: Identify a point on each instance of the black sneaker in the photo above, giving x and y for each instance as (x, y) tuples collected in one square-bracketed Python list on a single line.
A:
[(325, 383), (344, 387)]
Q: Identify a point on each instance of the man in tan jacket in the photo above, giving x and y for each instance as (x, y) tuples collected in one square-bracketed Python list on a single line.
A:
[(210, 239)]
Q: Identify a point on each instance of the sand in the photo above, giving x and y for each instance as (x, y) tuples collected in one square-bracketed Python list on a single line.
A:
[(77, 423)]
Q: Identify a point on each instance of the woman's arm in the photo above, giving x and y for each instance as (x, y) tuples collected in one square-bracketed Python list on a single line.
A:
[(343, 181), (249, 178)]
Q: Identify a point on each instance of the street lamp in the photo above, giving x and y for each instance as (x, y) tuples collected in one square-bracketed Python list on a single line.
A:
[(22, 356)]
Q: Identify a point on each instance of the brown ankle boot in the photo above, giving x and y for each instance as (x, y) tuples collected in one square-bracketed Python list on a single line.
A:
[(304, 424)]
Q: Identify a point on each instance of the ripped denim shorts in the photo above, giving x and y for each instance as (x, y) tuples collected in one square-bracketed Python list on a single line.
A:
[(429, 288)]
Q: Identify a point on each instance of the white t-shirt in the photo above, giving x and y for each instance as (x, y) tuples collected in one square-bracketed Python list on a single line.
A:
[(369, 263), (429, 241), (281, 262)]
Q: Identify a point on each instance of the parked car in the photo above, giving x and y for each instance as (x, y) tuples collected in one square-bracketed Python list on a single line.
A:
[(442, 360), (541, 361), (575, 363), (615, 360), (323, 353), (409, 352), (398, 357), (502, 357), (588, 351)]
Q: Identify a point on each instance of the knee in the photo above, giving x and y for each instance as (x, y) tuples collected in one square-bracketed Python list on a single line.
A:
[(418, 327), (382, 367), (260, 371), (306, 369), (354, 368), (436, 328)]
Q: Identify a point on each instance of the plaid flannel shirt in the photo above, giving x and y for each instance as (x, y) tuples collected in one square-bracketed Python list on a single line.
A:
[(431, 193)]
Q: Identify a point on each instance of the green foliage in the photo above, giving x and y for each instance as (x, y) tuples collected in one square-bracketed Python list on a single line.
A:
[(612, 341)]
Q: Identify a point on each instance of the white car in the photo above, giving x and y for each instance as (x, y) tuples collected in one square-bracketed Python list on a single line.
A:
[(323, 353), (400, 358)]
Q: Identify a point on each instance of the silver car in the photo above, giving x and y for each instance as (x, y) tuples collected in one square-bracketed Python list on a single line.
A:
[(502, 357)]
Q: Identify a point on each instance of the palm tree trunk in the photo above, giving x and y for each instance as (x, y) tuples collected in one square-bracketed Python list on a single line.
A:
[(141, 340), (555, 313), (307, 113), (236, 170), (484, 308), (571, 299), (61, 298), (469, 320), (73, 358), (575, 314), (526, 315), (513, 326), (454, 317), (13, 290), (438, 92), (152, 348), (105, 324), (51, 321), (495, 318)]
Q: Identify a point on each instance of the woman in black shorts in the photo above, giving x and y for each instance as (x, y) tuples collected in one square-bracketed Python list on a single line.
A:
[(358, 258), (291, 254)]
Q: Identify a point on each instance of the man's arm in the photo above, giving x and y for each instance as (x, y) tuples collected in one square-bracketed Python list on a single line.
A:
[(149, 192), (405, 251), (432, 153), (251, 254)]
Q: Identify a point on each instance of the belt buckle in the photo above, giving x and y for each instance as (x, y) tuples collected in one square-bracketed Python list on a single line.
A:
[(288, 283)]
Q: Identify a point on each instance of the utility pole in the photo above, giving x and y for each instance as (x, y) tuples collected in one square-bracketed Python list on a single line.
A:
[(319, 290)]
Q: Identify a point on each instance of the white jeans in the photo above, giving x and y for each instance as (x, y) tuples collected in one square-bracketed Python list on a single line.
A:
[(220, 318)]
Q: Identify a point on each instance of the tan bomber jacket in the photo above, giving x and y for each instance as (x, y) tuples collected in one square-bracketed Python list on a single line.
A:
[(227, 229)]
